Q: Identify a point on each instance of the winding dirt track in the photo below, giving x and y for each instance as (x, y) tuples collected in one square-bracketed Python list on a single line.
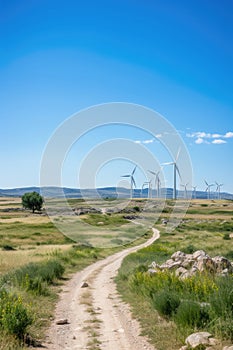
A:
[(97, 318)]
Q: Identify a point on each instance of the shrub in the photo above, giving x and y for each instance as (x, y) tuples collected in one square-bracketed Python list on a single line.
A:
[(166, 302), (14, 316), (192, 314)]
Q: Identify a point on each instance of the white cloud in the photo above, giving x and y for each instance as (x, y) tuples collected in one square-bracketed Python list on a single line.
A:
[(218, 141), (145, 142), (148, 141), (228, 135), (203, 137), (199, 140)]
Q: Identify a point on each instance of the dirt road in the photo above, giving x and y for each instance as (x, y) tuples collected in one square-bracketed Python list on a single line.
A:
[(97, 318)]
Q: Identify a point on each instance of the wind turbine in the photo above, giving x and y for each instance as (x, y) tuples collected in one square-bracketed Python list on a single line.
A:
[(175, 170), (157, 180), (185, 190), (195, 192), (132, 181), (147, 183), (208, 188), (218, 189)]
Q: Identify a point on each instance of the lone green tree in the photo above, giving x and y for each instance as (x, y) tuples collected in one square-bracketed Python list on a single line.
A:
[(32, 201)]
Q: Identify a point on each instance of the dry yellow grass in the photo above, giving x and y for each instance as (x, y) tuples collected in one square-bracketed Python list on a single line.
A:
[(12, 259)]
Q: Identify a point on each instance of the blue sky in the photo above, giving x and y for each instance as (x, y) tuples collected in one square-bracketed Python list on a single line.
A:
[(60, 57)]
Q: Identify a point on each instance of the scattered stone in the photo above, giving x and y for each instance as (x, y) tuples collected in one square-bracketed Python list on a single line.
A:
[(185, 347), (62, 321), (230, 347), (84, 285), (100, 223), (74, 337), (199, 338), (187, 265)]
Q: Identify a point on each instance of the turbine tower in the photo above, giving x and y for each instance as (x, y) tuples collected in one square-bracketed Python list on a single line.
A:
[(185, 190), (175, 170), (208, 188), (147, 183), (157, 181), (195, 192), (218, 189), (132, 181)]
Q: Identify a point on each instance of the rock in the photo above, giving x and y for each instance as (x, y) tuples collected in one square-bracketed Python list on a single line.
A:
[(181, 271), (206, 264), (230, 347), (84, 285), (185, 347), (170, 264), (62, 321), (178, 256), (199, 338), (199, 254), (154, 265), (222, 264), (100, 223), (187, 265)]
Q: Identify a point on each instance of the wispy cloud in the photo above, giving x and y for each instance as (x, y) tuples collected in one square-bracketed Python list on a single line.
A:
[(146, 142), (218, 141), (205, 137)]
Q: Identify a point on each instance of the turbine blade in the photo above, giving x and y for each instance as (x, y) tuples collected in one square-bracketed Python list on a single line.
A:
[(178, 153), (134, 170), (133, 181), (178, 171), (170, 163), (152, 172), (206, 183), (125, 175)]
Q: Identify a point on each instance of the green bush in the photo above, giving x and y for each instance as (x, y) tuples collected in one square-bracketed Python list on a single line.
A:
[(14, 316), (36, 276), (192, 314), (166, 302)]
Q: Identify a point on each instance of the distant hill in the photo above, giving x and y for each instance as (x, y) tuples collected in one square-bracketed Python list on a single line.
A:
[(105, 192)]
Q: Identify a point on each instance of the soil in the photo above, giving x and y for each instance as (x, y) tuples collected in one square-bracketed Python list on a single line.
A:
[(96, 317)]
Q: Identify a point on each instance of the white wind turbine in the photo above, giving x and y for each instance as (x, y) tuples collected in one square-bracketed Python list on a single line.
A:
[(145, 184), (208, 188), (157, 180), (175, 170), (132, 181), (218, 189), (195, 192), (185, 190)]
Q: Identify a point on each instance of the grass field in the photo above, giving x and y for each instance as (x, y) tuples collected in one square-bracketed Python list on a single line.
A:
[(35, 256), (208, 225)]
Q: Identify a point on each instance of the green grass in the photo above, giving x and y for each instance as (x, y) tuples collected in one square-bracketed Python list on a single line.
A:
[(176, 306)]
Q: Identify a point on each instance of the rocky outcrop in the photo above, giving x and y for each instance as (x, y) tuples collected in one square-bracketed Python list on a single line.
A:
[(186, 265), (203, 340)]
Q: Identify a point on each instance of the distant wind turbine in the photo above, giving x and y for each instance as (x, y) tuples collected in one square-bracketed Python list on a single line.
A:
[(175, 170), (185, 190), (132, 181), (157, 181), (218, 189), (208, 188), (194, 191), (147, 183)]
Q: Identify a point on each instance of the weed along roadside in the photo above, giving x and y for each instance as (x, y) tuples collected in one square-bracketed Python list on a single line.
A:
[(34, 270), (183, 283)]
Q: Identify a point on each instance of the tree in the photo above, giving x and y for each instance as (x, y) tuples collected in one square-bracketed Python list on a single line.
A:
[(32, 201)]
